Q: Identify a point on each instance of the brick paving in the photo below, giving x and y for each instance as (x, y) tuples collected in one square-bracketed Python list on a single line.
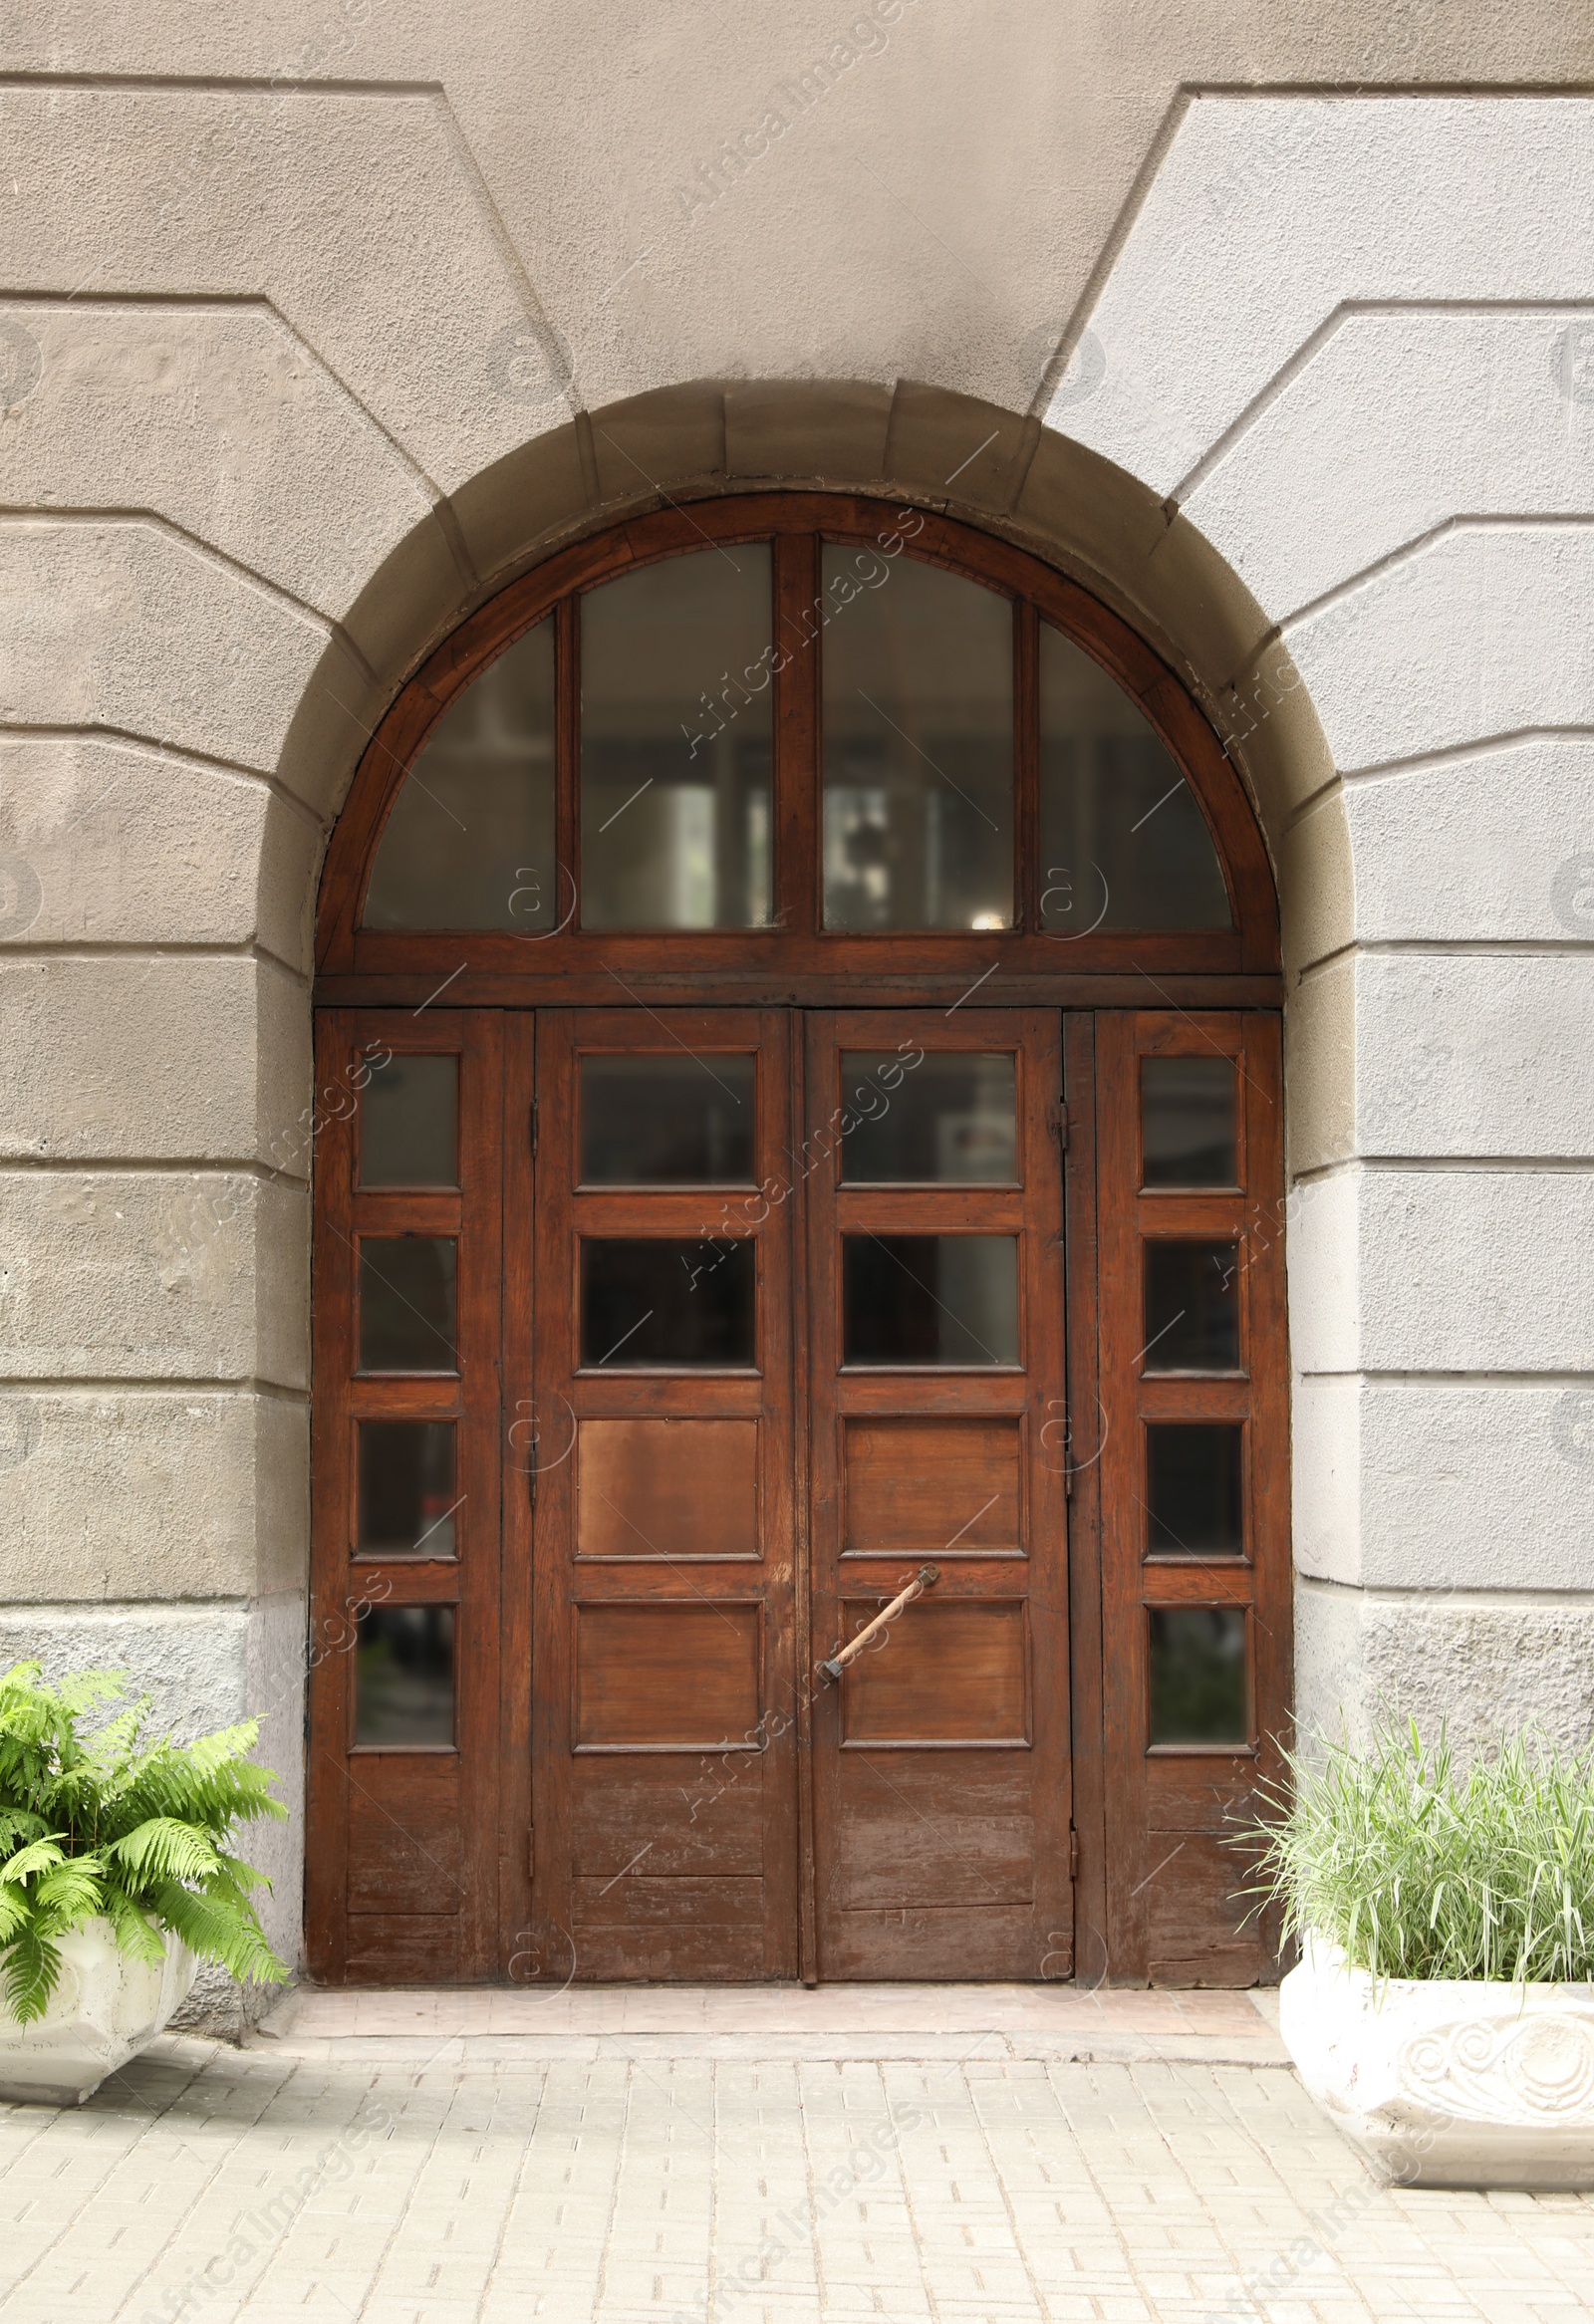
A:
[(427, 2160)]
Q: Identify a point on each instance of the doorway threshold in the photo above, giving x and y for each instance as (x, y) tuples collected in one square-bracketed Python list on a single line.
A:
[(999, 2023)]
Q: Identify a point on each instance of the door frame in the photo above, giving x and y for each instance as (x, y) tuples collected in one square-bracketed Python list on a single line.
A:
[(499, 1937)]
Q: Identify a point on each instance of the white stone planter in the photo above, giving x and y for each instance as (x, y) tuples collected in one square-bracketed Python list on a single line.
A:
[(1448, 2082), (104, 2009)]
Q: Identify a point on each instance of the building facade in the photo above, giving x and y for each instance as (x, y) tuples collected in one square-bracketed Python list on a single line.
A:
[(1251, 359)]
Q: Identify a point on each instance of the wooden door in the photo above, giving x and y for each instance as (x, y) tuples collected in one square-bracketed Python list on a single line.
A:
[(405, 1748), (932, 1169), (1193, 1481), (657, 1376)]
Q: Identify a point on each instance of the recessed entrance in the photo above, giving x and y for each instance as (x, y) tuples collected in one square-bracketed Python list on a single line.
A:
[(758, 1183)]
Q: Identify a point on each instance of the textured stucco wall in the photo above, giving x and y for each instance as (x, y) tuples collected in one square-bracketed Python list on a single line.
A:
[(314, 325)]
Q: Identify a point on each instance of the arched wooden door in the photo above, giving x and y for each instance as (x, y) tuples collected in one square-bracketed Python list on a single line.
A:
[(797, 1027)]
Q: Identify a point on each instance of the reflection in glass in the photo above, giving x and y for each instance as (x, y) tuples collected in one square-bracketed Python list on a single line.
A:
[(1197, 1674), (918, 746), (929, 1299), (1192, 1306), (949, 1118), (1123, 844), (406, 1303), (1193, 1489), (676, 726), (667, 1121), (406, 1503), (665, 1306), (409, 1123), (470, 843), (405, 1676), (1186, 1121)]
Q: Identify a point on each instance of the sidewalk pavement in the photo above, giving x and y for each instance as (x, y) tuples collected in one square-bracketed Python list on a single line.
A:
[(968, 2155)]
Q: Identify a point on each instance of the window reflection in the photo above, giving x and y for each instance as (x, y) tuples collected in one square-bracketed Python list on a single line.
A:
[(470, 843), (404, 1678), (409, 1123), (407, 1499), (1192, 1306), (1198, 1679), (667, 1306), (406, 1303), (667, 1121), (1188, 1121), (918, 747), (929, 1299), (1123, 844), (953, 1121), (676, 692)]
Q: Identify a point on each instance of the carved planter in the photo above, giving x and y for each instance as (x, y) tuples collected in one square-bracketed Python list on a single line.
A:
[(102, 2012), (1448, 2082)]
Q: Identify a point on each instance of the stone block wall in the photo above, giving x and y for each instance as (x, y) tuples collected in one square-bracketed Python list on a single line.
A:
[(318, 325)]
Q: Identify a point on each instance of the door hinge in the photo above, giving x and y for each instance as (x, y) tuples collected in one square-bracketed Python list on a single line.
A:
[(1062, 1122), (1073, 1853), (533, 1125), (1068, 1482), (531, 1856), (531, 1478)]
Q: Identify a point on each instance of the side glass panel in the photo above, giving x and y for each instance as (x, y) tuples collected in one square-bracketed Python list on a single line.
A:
[(405, 1676), (929, 1299), (1192, 1306), (409, 1123), (470, 843), (405, 1502), (950, 1118), (1193, 1489), (918, 747), (666, 1305), (1123, 844), (406, 1303), (676, 726), (1197, 1674), (1186, 1121), (667, 1121)]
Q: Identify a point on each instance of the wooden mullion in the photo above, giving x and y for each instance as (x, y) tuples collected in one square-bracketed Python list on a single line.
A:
[(1028, 872), (567, 763), (1081, 1439), (798, 777)]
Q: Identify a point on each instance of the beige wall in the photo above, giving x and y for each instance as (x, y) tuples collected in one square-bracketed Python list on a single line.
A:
[(317, 325)]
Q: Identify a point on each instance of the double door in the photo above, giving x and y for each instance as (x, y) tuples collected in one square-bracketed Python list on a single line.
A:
[(656, 1351), (795, 1330)]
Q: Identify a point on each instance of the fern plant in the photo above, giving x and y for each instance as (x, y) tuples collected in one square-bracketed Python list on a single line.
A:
[(117, 1826)]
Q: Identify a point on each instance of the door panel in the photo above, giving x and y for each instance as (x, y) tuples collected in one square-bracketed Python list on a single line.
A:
[(935, 1339), (1193, 1476), (664, 1781), (405, 1748)]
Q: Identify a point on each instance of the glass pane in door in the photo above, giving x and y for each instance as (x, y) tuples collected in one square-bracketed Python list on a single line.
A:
[(948, 1120), (667, 1121), (929, 1299), (665, 1305)]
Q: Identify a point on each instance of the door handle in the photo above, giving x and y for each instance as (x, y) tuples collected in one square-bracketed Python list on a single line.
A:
[(920, 1582)]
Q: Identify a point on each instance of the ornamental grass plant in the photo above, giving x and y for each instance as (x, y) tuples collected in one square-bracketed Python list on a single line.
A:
[(114, 1826), (1416, 1867)]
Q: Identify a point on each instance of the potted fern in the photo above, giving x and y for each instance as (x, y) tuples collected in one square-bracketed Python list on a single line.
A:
[(116, 1878), (1443, 2011)]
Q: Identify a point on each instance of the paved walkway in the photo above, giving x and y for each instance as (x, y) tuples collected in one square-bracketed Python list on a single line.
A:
[(977, 2155)]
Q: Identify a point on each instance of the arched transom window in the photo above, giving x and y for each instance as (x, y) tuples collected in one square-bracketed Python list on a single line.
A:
[(793, 720)]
